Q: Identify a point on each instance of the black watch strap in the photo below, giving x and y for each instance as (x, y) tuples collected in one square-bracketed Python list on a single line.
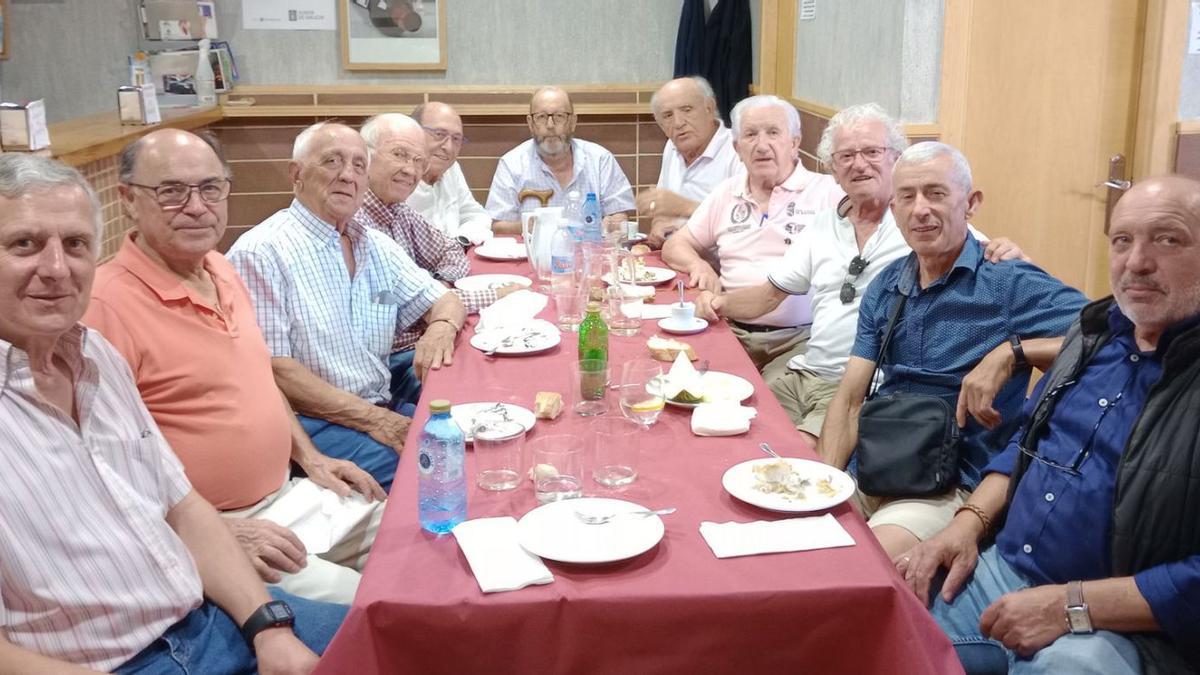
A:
[(273, 614), (1018, 353)]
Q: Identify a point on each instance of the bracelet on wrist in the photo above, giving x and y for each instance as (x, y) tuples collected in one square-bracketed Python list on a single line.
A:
[(979, 513), (452, 325)]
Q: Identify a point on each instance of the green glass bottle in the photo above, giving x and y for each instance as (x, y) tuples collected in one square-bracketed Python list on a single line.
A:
[(593, 335)]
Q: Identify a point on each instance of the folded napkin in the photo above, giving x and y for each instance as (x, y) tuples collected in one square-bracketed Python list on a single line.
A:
[(635, 291), (722, 418), (730, 540), (497, 560), (512, 311), (316, 515), (655, 311), (504, 246)]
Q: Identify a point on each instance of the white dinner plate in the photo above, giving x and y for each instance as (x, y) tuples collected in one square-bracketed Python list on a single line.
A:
[(493, 251), (670, 325), (538, 336), (649, 276), (552, 531), (717, 386), (483, 282), (466, 414), (739, 480)]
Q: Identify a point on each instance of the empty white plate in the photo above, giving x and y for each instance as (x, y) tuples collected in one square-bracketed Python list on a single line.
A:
[(553, 531)]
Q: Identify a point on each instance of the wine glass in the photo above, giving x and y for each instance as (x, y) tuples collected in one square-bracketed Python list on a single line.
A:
[(641, 391)]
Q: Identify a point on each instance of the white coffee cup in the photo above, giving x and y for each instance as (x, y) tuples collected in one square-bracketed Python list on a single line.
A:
[(683, 313)]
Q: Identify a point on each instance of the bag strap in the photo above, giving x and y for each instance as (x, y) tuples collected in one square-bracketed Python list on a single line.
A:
[(887, 340)]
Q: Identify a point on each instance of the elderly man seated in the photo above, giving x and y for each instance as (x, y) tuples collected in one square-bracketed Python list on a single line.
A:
[(181, 317), (699, 155), (1096, 567), (397, 147), (442, 196), (835, 259), (109, 559), (960, 316), (556, 163), (330, 295), (750, 220)]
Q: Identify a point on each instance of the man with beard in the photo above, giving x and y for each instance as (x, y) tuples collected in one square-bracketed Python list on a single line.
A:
[(556, 161)]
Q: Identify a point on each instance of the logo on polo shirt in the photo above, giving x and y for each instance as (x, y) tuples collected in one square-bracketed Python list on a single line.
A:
[(791, 209), (793, 228), (740, 213)]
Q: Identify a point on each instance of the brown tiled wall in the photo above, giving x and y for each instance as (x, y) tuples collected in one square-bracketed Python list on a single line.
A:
[(1187, 155), (102, 174)]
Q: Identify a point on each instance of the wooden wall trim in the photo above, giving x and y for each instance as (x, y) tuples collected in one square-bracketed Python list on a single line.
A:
[(1188, 127), (924, 130), (1163, 49), (86, 139)]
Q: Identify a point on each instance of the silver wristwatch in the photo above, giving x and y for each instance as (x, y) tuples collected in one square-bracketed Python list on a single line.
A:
[(1079, 619)]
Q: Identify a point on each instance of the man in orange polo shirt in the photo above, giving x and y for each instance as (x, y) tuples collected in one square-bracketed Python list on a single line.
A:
[(181, 317)]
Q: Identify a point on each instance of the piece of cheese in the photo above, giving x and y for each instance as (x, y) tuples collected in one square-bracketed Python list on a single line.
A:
[(547, 405)]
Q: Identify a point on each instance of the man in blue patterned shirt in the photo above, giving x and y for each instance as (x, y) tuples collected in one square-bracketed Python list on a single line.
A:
[(1096, 568), (331, 294), (953, 335)]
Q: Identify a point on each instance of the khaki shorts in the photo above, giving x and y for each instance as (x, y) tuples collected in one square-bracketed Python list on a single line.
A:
[(771, 350), (923, 517), (805, 396)]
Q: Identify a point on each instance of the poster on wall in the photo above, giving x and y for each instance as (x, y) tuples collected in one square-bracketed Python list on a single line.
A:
[(289, 15), (393, 34), (3, 29)]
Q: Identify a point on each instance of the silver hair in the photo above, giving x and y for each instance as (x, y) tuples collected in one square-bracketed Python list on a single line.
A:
[(21, 174), (765, 101), (848, 118), (927, 151), (374, 127), (706, 90)]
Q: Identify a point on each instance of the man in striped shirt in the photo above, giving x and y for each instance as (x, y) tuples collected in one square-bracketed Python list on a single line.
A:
[(107, 554), (398, 152), (330, 295)]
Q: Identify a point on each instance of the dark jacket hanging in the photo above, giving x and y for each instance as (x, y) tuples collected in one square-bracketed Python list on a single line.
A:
[(720, 49)]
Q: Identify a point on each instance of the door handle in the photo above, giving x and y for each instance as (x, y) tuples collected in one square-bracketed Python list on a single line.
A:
[(1116, 184)]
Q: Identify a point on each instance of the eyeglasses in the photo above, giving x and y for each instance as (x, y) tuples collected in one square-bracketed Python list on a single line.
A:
[(871, 154), (1086, 449), (856, 267), (400, 156), (441, 135), (559, 118), (175, 195)]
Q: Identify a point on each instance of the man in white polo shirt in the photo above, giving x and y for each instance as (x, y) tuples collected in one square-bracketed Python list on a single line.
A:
[(749, 221), (698, 156), (442, 196)]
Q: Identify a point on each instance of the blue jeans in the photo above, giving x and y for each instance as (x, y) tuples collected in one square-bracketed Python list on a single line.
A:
[(1101, 652), (405, 387), (208, 641), (341, 442)]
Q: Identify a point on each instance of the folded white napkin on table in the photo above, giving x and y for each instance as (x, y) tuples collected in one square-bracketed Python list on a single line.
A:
[(722, 418), (635, 291), (506, 245), (316, 515), (497, 560), (730, 540), (655, 311), (512, 311)]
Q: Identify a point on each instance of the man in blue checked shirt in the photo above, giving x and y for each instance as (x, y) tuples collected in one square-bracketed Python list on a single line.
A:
[(1096, 568), (968, 332), (331, 294)]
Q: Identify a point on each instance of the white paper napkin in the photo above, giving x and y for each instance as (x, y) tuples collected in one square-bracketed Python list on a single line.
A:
[(635, 291), (722, 418), (512, 311), (655, 311), (497, 560), (730, 540), (316, 515), (503, 246)]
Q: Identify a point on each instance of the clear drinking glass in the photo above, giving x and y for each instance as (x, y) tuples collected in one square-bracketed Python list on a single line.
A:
[(614, 450), (570, 297), (624, 312), (498, 454), (589, 387), (557, 469), (640, 393)]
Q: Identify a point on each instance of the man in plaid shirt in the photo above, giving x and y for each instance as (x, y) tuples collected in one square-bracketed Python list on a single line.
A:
[(399, 156)]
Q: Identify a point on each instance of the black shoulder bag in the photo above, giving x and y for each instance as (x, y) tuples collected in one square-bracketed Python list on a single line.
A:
[(907, 443)]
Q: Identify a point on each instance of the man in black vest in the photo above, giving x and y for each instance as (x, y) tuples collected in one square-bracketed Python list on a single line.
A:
[(1096, 567)]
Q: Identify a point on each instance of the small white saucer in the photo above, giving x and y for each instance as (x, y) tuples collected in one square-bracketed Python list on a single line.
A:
[(669, 325)]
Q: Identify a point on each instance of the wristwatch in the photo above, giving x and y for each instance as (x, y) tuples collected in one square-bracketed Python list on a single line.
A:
[(463, 241), (1021, 362), (1079, 619), (273, 614)]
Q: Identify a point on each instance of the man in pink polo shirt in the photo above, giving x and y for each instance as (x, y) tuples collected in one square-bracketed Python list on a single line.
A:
[(748, 222), (181, 317)]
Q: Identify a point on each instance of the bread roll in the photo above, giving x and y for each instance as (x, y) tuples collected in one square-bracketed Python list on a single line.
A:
[(665, 349)]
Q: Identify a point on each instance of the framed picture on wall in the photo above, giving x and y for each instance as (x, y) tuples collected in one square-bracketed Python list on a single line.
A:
[(3, 29), (393, 34)]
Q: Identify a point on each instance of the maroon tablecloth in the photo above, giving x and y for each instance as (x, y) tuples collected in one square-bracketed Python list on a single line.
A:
[(674, 609)]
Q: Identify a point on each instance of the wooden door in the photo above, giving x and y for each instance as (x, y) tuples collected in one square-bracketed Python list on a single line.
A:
[(1039, 95)]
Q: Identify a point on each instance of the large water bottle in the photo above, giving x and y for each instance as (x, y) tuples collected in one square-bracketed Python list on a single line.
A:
[(593, 220), (564, 252), (441, 480), (573, 215)]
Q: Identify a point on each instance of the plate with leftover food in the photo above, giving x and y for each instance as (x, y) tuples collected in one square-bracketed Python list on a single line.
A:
[(789, 484)]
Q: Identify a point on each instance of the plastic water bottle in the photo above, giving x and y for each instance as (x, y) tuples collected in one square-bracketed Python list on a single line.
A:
[(593, 219), (441, 479), (573, 215), (206, 88), (563, 251)]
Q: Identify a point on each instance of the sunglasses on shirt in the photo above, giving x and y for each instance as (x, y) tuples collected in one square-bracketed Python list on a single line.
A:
[(856, 267)]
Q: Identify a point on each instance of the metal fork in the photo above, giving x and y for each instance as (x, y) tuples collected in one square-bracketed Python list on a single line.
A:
[(592, 519)]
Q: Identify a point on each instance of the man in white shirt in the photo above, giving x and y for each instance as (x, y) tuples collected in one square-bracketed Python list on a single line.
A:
[(698, 156), (442, 196), (556, 162)]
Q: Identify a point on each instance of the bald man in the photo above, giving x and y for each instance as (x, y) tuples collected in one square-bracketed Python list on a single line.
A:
[(442, 196), (1097, 565), (554, 160)]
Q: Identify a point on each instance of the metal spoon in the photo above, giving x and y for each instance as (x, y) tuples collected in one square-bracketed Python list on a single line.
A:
[(591, 519), (679, 285), (767, 449)]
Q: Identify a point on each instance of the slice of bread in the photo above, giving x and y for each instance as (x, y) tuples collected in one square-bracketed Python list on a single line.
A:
[(665, 349)]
